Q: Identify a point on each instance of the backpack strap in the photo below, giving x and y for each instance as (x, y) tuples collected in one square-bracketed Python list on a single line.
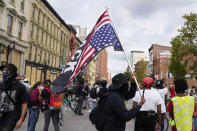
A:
[(47, 89)]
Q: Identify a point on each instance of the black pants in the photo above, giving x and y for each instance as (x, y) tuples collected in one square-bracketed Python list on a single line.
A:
[(79, 104), (145, 121), (48, 114)]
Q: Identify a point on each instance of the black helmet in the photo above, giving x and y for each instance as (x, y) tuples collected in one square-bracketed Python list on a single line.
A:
[(118, 80)]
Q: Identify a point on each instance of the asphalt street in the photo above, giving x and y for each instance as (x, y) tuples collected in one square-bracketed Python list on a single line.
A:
[(72, 122)]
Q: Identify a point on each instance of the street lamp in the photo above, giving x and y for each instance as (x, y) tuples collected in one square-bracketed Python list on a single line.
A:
[(45, 69)]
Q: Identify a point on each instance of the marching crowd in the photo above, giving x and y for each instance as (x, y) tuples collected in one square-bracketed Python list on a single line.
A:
[(108, 104)]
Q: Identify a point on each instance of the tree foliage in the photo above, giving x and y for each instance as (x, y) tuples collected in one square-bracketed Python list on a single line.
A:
[(141, 71), (177, 66), (184, 45)]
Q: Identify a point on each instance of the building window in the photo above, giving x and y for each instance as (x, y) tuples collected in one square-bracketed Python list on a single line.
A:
[(32, 31), (39, 16), (60, 49), (49, 42), (20, 28), (22, 5), (51, 28), (30, 52), (40, 56), (45, 55), (61, 36), (43, 20), (54, 31), (49, 59), (46, 38), (12, 1), (33, 12), (57, 33), (42, 36), (47, 24), (36, 51), (37, 35), (10, 24), (52, 61)]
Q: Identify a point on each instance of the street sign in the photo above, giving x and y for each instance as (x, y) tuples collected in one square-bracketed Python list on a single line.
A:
[(40, 68), (62, 66), (20, 77), (54, 72)]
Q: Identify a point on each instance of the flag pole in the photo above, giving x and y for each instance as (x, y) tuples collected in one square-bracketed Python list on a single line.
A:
[(107, 9)]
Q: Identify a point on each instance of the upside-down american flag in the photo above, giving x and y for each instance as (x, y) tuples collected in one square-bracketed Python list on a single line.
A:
[(102, 36)]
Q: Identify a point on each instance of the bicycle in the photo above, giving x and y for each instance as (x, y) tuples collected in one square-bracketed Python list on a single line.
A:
[(166, 123), (71, 102)]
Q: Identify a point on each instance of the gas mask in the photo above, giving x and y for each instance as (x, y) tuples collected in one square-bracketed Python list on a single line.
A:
[(128, 90), (7, 76), (124, 89)]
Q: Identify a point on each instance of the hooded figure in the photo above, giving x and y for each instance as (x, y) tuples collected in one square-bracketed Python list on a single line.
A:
[(115, 109), (9, 73)]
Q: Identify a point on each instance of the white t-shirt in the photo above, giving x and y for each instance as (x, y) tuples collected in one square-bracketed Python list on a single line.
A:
[(152, 99), (27, 85), (162, 93)]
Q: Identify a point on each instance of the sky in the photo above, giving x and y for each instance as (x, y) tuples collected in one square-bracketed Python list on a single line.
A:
[(139, 23)]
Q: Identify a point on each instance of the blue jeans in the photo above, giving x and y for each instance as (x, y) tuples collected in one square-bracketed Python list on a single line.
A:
[(195, 123), (32, 119)]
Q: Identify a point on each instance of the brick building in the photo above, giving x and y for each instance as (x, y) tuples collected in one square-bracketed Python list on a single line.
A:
[(159, 62), (101, 65)]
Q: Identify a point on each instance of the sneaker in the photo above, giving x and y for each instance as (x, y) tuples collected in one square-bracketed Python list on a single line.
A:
[(80, 114)]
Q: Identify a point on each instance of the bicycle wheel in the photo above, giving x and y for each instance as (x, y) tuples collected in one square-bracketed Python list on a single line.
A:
[(166, 123), (66, 102), (73, 104)]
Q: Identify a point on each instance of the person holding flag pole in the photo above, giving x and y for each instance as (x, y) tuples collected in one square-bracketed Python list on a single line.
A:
[(113, 115), (151, 126), (125, 54), (102, 35)]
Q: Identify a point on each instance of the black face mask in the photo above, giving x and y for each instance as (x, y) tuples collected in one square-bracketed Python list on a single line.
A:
[(7, 76), (124, 89)]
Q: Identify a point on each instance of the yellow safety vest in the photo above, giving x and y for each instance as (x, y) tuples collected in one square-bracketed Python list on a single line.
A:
[(183, 108)]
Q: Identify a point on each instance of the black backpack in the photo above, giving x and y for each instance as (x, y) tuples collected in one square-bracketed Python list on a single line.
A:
[(93, 92), (97, 115)]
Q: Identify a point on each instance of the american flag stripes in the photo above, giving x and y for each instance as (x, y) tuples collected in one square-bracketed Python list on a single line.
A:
[(102, 36)]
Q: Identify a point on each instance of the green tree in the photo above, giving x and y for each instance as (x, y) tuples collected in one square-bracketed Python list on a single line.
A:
[(177, 66), (184, 45), (130, 74), (141, 71)]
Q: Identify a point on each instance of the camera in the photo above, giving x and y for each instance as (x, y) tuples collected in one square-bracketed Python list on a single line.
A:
[(35, 109)]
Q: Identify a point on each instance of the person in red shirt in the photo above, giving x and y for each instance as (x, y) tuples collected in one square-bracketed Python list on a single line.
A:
[(172, 91)]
